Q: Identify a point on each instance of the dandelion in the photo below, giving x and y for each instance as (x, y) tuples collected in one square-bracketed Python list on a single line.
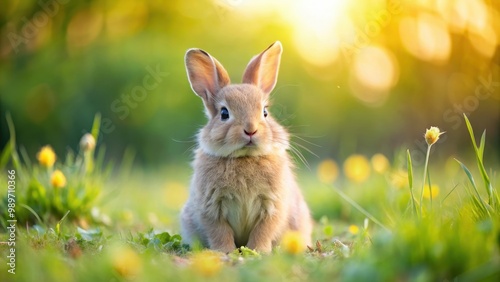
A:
[(357, 168), (432, 192), (87, 143), (432, 135), (328, 171), (57, 179), (207, 263), (353, 229), (380, 163), (46, 156), (293, 243), (126, 262)]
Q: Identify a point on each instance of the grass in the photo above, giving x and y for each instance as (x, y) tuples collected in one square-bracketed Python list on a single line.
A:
[(368, 228)]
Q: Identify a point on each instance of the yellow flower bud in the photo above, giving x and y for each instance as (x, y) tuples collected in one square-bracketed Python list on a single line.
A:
[(427, 192), (293, 243), (57, 179), (87, 143), (432, 135), (46, 156), (126, 262), (207, 263), (353, 229)]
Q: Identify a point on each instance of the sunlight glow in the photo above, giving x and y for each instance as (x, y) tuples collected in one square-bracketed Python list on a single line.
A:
[(375, 72), (426, 37), (375, 68), (314, 26)]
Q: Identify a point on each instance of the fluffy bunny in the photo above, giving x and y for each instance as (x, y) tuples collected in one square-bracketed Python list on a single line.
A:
[(243, 191)]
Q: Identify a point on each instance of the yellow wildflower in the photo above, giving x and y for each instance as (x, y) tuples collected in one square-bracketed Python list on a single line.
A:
[(57, 179), (357, 168), (293, 243), (380, 163), (328, 171), (126, 262), (46, 156), (207, 263), (353, 229), (435, 191), (432, 135), (87, 143)]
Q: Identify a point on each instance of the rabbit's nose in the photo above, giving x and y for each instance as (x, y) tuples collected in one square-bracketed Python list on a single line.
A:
[(250, 133)]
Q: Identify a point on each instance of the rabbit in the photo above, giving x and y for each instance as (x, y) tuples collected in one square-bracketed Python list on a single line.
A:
[(243, 191)]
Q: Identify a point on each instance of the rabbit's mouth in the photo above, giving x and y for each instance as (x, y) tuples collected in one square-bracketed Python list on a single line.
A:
[(250, 144)]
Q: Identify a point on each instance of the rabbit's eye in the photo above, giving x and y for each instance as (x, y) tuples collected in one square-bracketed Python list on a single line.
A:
[(224, 113), (265, 111)]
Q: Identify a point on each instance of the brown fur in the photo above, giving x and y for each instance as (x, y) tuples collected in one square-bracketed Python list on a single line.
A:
[(243, 191)]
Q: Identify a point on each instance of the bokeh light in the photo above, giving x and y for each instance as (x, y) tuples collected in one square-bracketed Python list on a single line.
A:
[(399, 178), (206, 263), (313, 24), (328, 171), (380, 163), (426, 37), (428, 193), (84, 28), (375, 71), (353, 64), (357, 168)]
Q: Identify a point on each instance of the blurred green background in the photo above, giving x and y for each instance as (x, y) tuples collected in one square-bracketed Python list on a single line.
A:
[(356, 76)]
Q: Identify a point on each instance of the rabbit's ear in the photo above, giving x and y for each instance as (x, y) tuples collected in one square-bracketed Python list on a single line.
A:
[(206, 76), (263, 68)]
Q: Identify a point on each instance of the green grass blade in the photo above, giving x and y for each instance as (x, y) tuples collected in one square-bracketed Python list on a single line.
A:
[(25, 158), (410, 169), (96, 126), (479, 158), (359, 208), (33, 212), (449, 193), (5, 156), (471, 133), (14, 156), (473, 183), (410, 180), (481, 145)]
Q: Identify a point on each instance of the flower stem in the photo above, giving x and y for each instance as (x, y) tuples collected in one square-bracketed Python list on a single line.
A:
[(425, 176)]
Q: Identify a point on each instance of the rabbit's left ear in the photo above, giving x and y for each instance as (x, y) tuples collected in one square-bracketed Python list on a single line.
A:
[(262, 70)]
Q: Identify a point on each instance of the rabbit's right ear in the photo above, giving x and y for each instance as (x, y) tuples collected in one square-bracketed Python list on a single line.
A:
[(206, 76)]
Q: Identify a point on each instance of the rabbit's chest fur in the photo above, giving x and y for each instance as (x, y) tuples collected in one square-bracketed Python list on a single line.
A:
[(240, 191)]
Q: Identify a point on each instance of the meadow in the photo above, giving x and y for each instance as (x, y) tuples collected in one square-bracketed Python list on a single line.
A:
[(81, 219), (392, 107)]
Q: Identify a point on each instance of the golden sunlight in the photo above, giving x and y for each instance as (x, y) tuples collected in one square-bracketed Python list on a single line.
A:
[(426, 37), (314, 25)]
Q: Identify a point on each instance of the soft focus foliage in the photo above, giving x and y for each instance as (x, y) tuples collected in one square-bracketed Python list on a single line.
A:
[(364, 76)]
